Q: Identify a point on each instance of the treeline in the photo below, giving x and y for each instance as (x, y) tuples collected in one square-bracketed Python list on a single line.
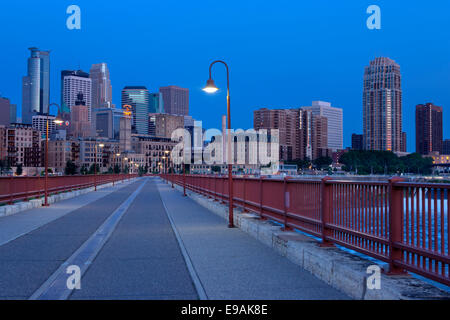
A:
[(385, 162)]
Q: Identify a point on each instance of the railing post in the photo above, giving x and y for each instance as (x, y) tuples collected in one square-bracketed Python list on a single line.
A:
[(395, 225), (11, 190), (215, 188), (286, 199), (27, 179), (184, 180), (261, 198), (243, 193), (327, 210)]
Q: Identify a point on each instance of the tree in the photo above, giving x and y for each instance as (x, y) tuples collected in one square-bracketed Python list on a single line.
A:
[(19, 169), (116, 169), (301, 163), (4, 165), (384, 162), (93, 169), (71, 168), (141, 171), (215, 169), (323, 162), (84, 169)]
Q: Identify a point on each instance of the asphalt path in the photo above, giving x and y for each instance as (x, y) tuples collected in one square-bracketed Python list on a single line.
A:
[(28, 261)]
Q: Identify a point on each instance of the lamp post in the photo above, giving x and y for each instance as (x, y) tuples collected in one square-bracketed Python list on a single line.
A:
[(114, 165), (172, 169), (167, 165), (164, 167), (57, 121), (101, 145), (184, 179), (211, 88)]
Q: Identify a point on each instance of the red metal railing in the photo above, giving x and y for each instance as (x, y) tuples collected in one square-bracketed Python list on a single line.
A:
[(354, 214), (23, 188)]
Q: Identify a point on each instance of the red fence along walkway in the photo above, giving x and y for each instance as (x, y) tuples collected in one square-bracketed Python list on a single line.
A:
[(404, 224), (23, 188)]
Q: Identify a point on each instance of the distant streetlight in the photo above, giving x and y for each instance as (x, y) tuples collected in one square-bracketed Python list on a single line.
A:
[(58, 121), (101, 145), (167, 165), (212, 88)]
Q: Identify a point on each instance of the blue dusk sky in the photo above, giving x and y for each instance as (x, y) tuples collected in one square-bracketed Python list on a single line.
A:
[(281, 53)]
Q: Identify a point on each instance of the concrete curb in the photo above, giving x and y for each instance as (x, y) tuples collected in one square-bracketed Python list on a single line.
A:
[(340, 269), (8, 210)]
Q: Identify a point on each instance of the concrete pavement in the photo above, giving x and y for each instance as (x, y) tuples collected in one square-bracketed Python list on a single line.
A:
[(142, 259), (29, 260), (233, 265)]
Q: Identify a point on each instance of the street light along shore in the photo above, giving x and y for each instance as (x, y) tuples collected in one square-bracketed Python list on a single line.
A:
[(212, 88), (58, 121)]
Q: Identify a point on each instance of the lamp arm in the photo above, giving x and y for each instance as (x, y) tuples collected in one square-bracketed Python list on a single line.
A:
[(226, 66)]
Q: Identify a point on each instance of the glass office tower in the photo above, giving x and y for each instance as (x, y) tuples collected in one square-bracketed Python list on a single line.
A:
[(138, 98), (36, 85)]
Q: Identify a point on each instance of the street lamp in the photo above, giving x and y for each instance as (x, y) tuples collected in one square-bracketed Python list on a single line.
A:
[(171, 166), (115, 162), (58, 121), (101, 145), (212, 88), (167, 165), (114, 166), (164, 167)]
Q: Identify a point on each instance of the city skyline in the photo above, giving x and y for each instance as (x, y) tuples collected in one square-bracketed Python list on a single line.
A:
[(275, 83), (174, 94)]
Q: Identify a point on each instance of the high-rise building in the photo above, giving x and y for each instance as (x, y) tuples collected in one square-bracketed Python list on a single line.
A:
[(357, 141), (335, 122), (13, 113), (404, 142), (382, 106), (446, 147), (301, 134), (281, 120), (5, 111), (23, 145), (156, 104), (101, 86), (138, 98), (125, 134), (163, 124), (107, 122), (176, 100), (320, 139), (80, 126), (39, 122), (74, 82), (36, 85), (428, 128)]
